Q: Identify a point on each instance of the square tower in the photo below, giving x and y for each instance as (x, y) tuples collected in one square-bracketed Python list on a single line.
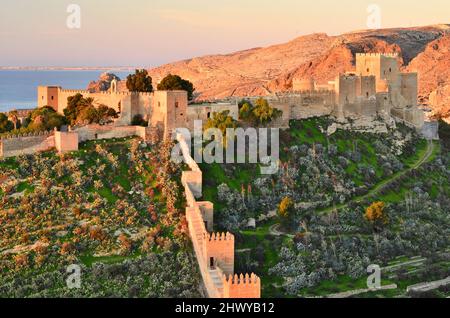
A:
[(384, 67), (169, 110), (48, 96)]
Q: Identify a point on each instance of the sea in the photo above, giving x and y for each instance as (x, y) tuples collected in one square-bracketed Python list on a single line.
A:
[(18, 88)]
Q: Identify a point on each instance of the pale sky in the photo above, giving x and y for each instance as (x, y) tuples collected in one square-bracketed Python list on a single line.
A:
[(152, 32)]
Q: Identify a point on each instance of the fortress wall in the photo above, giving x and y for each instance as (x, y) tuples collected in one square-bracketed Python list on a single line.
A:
[(145, 104), (214, 251), (206, 209), (409, 87), (346, 89), (205, 111), (66, 141), (93, 132), (366, 86), (303, 84), (383, 104), (102, 98), (26, 145), (302, 105)]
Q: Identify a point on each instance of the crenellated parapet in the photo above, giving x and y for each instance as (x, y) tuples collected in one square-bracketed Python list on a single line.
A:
[(241, 286), (214, 237), (395, 55), (25, 135)]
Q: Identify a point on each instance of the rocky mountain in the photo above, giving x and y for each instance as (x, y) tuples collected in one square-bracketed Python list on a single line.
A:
[(261, 71), (433, 66), (103, 83)]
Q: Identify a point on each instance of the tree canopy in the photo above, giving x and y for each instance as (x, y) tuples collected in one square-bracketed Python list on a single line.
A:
[(175, 82), (221, 121), (140, 81), (261, 113), (376, 215), (444, 133), (5, 124), (82, 110), (286, 212)]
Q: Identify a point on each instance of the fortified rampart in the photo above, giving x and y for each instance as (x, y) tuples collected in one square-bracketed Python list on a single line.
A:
[(214, 251), (11, 146), (26, 144), (377, 87)]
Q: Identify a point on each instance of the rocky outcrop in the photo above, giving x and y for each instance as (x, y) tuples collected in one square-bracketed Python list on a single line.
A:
[(433, 66), (103, 83)]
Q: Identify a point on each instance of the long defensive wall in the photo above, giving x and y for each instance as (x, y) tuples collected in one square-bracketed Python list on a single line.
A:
[(214, 251)]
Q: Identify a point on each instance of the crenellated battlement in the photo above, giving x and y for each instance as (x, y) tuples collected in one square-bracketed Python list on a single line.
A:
[(74, 91), (220, 237), (241, 286), (394, 55), (306, 92), (24, 135), (241, 279)]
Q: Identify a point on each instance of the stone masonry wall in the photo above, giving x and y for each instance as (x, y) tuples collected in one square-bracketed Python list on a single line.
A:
[(214, 251), (25, 145)]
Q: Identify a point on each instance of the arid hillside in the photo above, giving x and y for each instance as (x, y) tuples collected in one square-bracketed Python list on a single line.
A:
[(433, 66), (260, 71)]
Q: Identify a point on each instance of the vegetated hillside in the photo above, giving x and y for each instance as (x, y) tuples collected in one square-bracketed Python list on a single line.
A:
[(261, 71)]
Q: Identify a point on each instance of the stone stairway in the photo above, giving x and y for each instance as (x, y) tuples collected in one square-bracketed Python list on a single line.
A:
[(216, 276)]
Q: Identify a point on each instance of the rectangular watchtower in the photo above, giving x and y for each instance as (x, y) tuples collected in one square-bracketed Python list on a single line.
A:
[(48, 96), (384, 66), (169, 110), (219, 251)]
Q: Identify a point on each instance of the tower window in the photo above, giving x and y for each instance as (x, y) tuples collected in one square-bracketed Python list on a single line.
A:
[(52, 97), (390, 70), (209, 115), (176, 104), (368, 70)]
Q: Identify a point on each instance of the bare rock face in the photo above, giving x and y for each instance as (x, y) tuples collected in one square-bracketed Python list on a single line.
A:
[(433, 66), (103, 84), (440, 102)]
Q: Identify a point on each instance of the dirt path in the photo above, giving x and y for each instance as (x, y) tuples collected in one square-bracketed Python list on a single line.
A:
[(274, 229), (430, 149)]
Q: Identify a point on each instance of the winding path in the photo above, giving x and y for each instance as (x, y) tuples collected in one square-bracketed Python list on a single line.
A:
[(275, 229), (428, 153)]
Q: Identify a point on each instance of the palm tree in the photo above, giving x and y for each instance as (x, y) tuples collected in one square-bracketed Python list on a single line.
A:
[(13, 116)]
